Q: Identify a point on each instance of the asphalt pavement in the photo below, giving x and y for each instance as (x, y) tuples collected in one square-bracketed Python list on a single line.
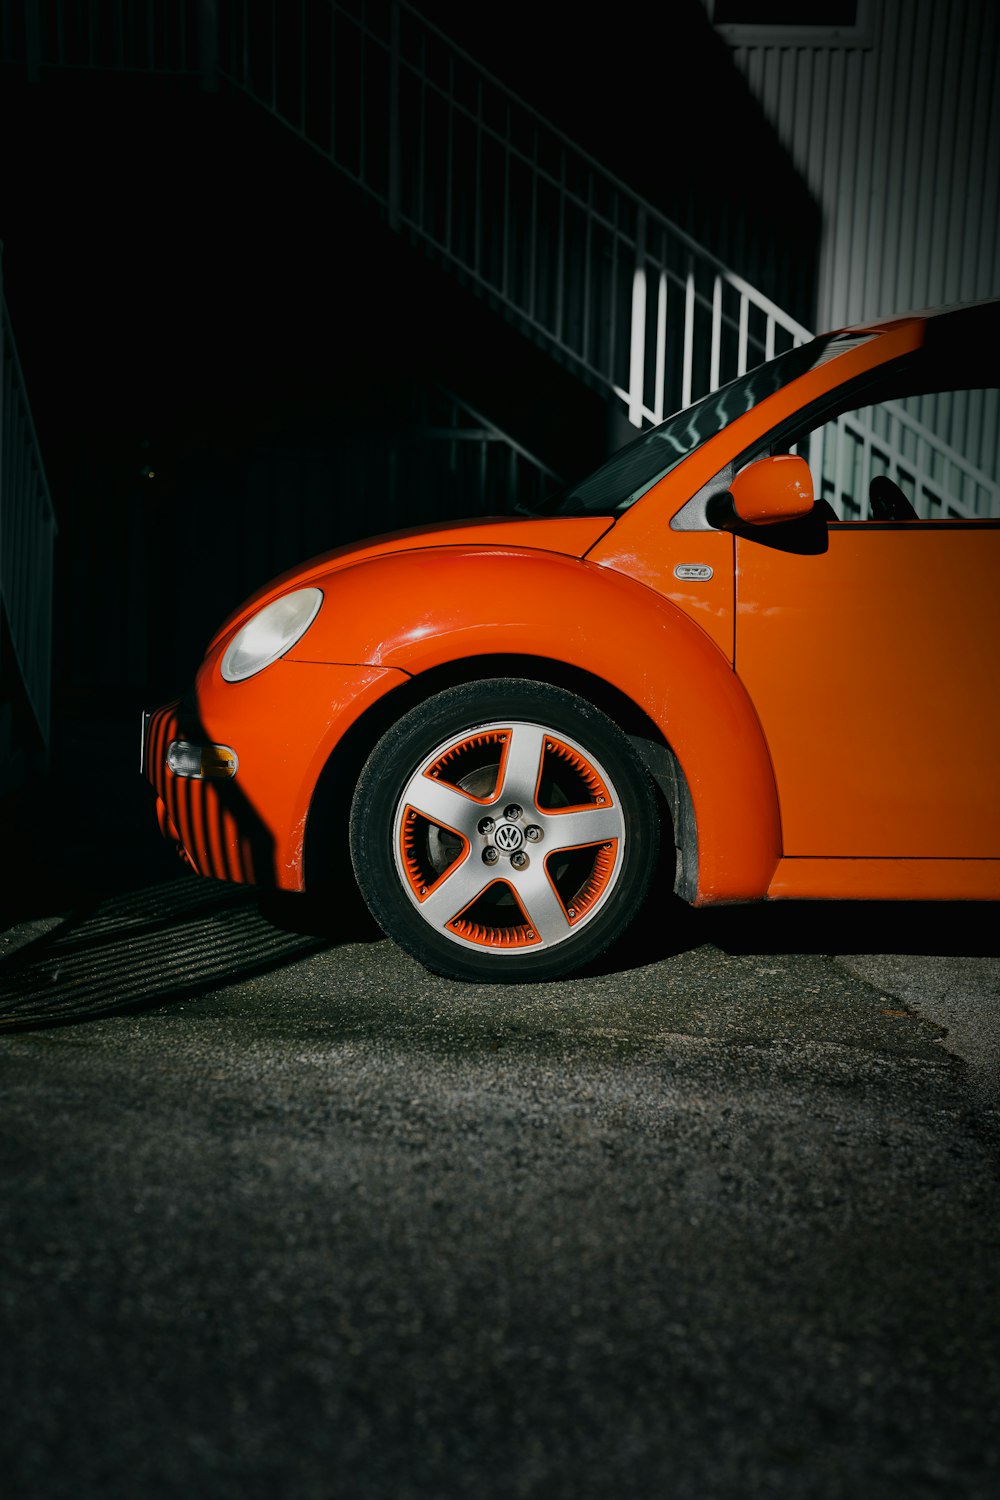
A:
[(286, 1215)]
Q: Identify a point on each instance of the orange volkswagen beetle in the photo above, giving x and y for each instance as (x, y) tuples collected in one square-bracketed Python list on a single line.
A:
[(764, 634)]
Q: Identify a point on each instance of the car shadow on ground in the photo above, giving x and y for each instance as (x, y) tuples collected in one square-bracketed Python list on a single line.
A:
[(669, 926), (181, 938)]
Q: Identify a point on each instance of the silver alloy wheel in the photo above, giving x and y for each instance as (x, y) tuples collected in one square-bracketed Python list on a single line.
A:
[(508, 836), (504, 831)]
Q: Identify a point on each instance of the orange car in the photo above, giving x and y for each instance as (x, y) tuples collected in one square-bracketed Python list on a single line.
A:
[(764, 634)]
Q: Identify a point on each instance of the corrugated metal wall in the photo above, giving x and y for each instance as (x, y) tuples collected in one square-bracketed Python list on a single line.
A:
[(899, 141)]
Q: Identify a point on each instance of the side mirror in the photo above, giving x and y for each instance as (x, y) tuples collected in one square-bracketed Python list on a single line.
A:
[(770, 490)]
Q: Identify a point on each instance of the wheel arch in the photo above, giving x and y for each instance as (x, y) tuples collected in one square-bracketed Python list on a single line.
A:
[(454, 615), (326, 828)]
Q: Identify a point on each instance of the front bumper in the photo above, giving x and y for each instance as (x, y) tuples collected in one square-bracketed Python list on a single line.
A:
[(280, 729)]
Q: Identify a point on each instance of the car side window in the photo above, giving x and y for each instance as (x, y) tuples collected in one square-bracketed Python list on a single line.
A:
[(929, 458)]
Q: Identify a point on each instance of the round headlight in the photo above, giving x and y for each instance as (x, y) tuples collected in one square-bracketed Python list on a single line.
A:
[(272, 631)]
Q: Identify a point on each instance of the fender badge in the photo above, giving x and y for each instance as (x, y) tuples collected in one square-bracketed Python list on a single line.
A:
[(693, 572)]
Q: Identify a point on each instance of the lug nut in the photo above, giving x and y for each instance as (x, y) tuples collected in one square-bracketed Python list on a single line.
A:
[(519, 860), (486, 825), (490, 856), (533, 833), (512, 812)]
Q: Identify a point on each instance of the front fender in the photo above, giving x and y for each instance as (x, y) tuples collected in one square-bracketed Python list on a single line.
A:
[(424, 609)]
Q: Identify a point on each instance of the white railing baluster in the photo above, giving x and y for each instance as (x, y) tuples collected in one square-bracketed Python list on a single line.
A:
[(713, 380), (637, 347), (661, 346), (744, 331), (609, 372), (687, 380), (637, 329)]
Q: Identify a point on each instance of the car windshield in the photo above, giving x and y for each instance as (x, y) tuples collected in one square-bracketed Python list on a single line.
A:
[(631, 471)]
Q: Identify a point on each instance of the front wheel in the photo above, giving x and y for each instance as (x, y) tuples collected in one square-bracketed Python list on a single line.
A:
[(504, 830)]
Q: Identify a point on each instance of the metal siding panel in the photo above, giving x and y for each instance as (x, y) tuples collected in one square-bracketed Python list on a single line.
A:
[(853, 206), (772, 80), (813, 128), (833, 149), (958, 168), (900, 81), (865, 197), (900, 144), (787, 60), (986, 185), (943, 174), (922, 114)]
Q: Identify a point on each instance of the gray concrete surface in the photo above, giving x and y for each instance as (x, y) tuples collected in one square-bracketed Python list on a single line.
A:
[(959, 992), (284, 1215)]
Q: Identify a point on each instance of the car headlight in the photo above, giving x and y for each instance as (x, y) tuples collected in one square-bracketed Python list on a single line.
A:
[(272, 631)]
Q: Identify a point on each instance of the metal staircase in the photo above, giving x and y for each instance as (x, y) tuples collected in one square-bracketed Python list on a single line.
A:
[(461, 165), (584, 266), (458, 163)]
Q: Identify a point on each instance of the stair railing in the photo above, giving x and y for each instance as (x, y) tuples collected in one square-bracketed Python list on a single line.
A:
[(468, 170), (462, 165)]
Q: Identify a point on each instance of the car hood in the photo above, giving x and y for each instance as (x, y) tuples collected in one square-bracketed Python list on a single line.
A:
[(573, 536)]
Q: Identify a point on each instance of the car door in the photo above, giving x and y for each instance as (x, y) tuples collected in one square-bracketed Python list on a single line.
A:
[(873, 664)]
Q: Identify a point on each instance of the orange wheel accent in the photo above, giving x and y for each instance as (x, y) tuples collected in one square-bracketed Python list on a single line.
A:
[(592, 788), (449, 766), (519, 934), (420, 873), (590, 892)]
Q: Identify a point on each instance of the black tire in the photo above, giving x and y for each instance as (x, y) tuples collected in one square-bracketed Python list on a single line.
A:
[(504, 831)]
